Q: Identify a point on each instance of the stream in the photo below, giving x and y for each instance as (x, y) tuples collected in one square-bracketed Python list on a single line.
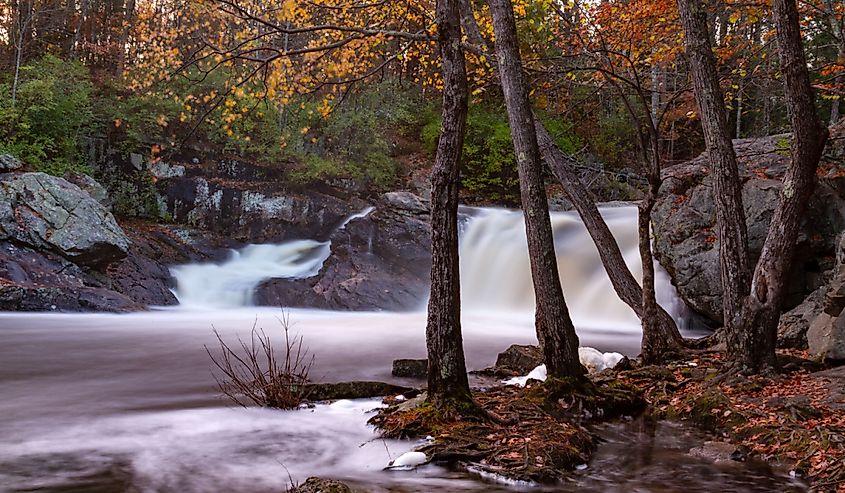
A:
[(113, 403)]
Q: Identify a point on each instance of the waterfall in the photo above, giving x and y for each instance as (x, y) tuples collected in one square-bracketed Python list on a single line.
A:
[(495, 272), (496, 275), (233, 282)]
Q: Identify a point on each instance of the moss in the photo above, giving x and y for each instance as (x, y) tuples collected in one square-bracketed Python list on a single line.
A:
[(712, 411)]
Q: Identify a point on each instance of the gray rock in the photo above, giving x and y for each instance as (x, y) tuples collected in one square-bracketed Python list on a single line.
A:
[(406, 202), (793, 326), (47, 212), (826, 335), (63, 299), (351, 390), (381, 261), (519, 359), (9, 163), (410, 368), (163, 170), (90, 186), (684, 223)]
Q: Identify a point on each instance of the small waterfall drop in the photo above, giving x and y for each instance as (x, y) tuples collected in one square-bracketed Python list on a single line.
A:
[(496, 274), (233, 282)]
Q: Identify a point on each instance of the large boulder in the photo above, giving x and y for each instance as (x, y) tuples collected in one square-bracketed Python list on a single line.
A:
[(46, 212), (381, 261), (684, 220), (826, 334)]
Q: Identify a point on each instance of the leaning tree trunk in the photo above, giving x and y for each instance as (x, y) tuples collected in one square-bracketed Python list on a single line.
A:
[(553, 323), (623, 281), (447, 376), (727, 192), (756, 346)]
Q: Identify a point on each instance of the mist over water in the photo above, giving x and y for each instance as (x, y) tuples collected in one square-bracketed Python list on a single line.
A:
[(114, 403)]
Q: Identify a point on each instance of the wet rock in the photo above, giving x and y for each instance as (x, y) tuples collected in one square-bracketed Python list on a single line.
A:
[(144, 275), (381, 261), (684, 221), (410, 368), (47, 212), (716, 451), (351, 390), (519, 359), (9, 163), (319, 485), (28, 298)]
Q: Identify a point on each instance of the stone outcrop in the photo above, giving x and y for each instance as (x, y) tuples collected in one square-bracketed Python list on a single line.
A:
[(46, 212), (685, 217), (250, 202), (381, 261), (9, 163)]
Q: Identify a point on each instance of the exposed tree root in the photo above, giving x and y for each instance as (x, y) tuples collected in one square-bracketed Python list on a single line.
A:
[(535, 434)]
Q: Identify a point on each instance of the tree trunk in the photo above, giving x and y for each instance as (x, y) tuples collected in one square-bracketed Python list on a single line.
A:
[(553, 323), (625, 284), (447, 376), (727, 192), (756, 345)]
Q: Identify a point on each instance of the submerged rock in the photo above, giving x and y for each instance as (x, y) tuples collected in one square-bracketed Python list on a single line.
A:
[(351, 390), (46, 212), (410, 368), (519, 359)]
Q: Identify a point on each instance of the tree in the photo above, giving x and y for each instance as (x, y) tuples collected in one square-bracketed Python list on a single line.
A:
[(447, 376), (555, 330), (752, 305)]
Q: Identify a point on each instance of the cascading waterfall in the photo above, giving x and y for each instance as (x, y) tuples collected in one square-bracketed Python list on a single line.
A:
[(233, 282), (496, 275), (495, 270)]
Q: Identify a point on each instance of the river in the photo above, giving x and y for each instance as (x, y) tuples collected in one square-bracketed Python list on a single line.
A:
[(112, 403)]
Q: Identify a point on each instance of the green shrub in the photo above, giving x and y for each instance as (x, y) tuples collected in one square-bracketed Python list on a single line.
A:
[(488, 169), (50, 115)]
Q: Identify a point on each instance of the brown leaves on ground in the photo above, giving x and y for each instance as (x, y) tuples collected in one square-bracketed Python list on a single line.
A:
[(791, 419), (535, 434)]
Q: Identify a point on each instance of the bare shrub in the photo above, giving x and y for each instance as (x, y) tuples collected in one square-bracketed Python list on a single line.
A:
[(254, 374)]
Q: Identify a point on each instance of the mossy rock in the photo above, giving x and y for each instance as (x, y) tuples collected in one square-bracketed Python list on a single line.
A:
[(712, 411)]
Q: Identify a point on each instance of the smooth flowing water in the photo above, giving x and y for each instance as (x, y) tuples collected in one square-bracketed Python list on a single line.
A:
[(110, 403)]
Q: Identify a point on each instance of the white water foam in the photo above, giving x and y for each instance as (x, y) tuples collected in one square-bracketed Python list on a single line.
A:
[(233, 282), (496, 274)]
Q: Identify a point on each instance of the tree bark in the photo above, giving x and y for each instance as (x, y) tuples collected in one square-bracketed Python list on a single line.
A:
[(553, 323), (623, 281), (727, 193), (447, 376), (755, 346)]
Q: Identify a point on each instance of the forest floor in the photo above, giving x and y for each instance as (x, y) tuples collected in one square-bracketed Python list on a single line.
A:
[(794, 420)]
